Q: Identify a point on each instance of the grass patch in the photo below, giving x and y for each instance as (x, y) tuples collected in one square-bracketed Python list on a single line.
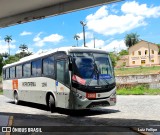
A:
[(1, 92), (137, 70), (138, 90)]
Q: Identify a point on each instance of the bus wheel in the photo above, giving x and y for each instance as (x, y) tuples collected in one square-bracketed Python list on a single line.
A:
[(16, 101), (51, 103)]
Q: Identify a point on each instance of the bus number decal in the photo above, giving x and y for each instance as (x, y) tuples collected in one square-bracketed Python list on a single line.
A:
[(44, 84)]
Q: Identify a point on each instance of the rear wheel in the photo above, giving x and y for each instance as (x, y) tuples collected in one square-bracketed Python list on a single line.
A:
[(51, 103), (16, 100)]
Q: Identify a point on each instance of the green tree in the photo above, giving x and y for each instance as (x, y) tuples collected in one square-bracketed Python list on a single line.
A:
[(76, 37), (8, 39), (11, 59), (159, 48), (114, 58), (5, 55), (1, 64), (123, 52), (23, 48), (131, 39)]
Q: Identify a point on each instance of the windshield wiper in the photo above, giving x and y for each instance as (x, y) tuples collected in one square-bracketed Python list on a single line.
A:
[(97, 75)]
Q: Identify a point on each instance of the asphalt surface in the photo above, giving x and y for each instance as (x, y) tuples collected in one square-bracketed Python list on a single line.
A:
[(129, 113)]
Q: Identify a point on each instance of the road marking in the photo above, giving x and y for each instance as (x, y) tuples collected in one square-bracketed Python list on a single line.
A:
[(10, 123)]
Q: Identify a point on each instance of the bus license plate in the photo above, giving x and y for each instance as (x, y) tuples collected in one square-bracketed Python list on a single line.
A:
[(90, 95)]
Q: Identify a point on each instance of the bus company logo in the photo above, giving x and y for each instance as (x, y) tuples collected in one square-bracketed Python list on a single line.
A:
[(31, 84)]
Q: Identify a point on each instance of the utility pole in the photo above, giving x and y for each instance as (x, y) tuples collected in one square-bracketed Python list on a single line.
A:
[(83, 25), (94, 42)]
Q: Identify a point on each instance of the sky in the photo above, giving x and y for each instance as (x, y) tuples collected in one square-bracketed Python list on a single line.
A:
[(107, 24)]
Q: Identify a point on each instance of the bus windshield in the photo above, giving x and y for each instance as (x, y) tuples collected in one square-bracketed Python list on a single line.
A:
[(92, 69)]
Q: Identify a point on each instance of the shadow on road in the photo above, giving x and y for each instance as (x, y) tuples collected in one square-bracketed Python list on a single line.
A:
[(80, 113), (21, 119)]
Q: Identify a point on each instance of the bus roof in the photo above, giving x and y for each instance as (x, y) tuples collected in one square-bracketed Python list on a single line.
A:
[(67, 50)]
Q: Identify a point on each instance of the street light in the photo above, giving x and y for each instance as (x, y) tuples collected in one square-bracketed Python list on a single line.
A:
[(83, 24)]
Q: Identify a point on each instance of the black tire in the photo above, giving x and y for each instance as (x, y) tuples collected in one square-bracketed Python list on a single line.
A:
[(51, 103), (16, 100)]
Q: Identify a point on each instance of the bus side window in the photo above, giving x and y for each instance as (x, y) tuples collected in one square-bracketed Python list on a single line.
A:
[(63, 72), (67, 78), (7, 73), (12, 72), (48, 66), (36, 68), (19, 71), (4, 74), (26, 70)]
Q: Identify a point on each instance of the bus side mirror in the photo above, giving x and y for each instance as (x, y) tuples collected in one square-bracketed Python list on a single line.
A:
[(70, 66)]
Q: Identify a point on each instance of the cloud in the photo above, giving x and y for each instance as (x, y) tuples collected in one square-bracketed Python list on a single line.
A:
[(4, 46), (132, 16), (140, 10), (102, 12), (88, 35), (98, 43), (25, 33), (37, 37), (115, 45), (53, 38)]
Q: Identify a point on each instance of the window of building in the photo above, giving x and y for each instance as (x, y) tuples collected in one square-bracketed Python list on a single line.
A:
[(27, 69), (48, 66), (12, 72), (152, 61), (152, 51), (139, 52), (19, 71), (143, 62), (146, 52), (133, 53), (133, 62), (36, 68)]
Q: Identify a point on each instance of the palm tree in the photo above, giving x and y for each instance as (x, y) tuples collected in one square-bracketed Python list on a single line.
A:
[(76, 37), (8, 39), (23, 48), (131, 39), (5, 55)]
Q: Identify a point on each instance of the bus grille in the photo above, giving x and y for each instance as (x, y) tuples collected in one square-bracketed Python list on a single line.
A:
[(98, 104)]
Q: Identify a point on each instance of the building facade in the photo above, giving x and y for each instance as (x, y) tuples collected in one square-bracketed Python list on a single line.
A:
[(141, 54)]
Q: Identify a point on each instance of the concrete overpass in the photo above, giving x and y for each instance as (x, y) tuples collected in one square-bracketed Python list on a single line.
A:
[(14, 12)]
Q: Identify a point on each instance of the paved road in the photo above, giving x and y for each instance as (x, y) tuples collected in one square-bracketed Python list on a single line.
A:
[(130, 111)]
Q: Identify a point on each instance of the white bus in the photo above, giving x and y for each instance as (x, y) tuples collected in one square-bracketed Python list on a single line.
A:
[(71, 77)]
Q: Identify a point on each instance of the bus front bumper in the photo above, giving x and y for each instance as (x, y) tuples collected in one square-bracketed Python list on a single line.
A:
[(84, 103)]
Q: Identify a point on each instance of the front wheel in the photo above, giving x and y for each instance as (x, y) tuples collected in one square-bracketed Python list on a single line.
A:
[(51, 103), (16, 100)]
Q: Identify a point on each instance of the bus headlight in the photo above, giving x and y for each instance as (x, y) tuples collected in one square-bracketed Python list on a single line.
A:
[(80, 96), (113, 97)]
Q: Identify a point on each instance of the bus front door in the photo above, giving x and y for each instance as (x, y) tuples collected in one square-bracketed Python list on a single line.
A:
[(62, 81)]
